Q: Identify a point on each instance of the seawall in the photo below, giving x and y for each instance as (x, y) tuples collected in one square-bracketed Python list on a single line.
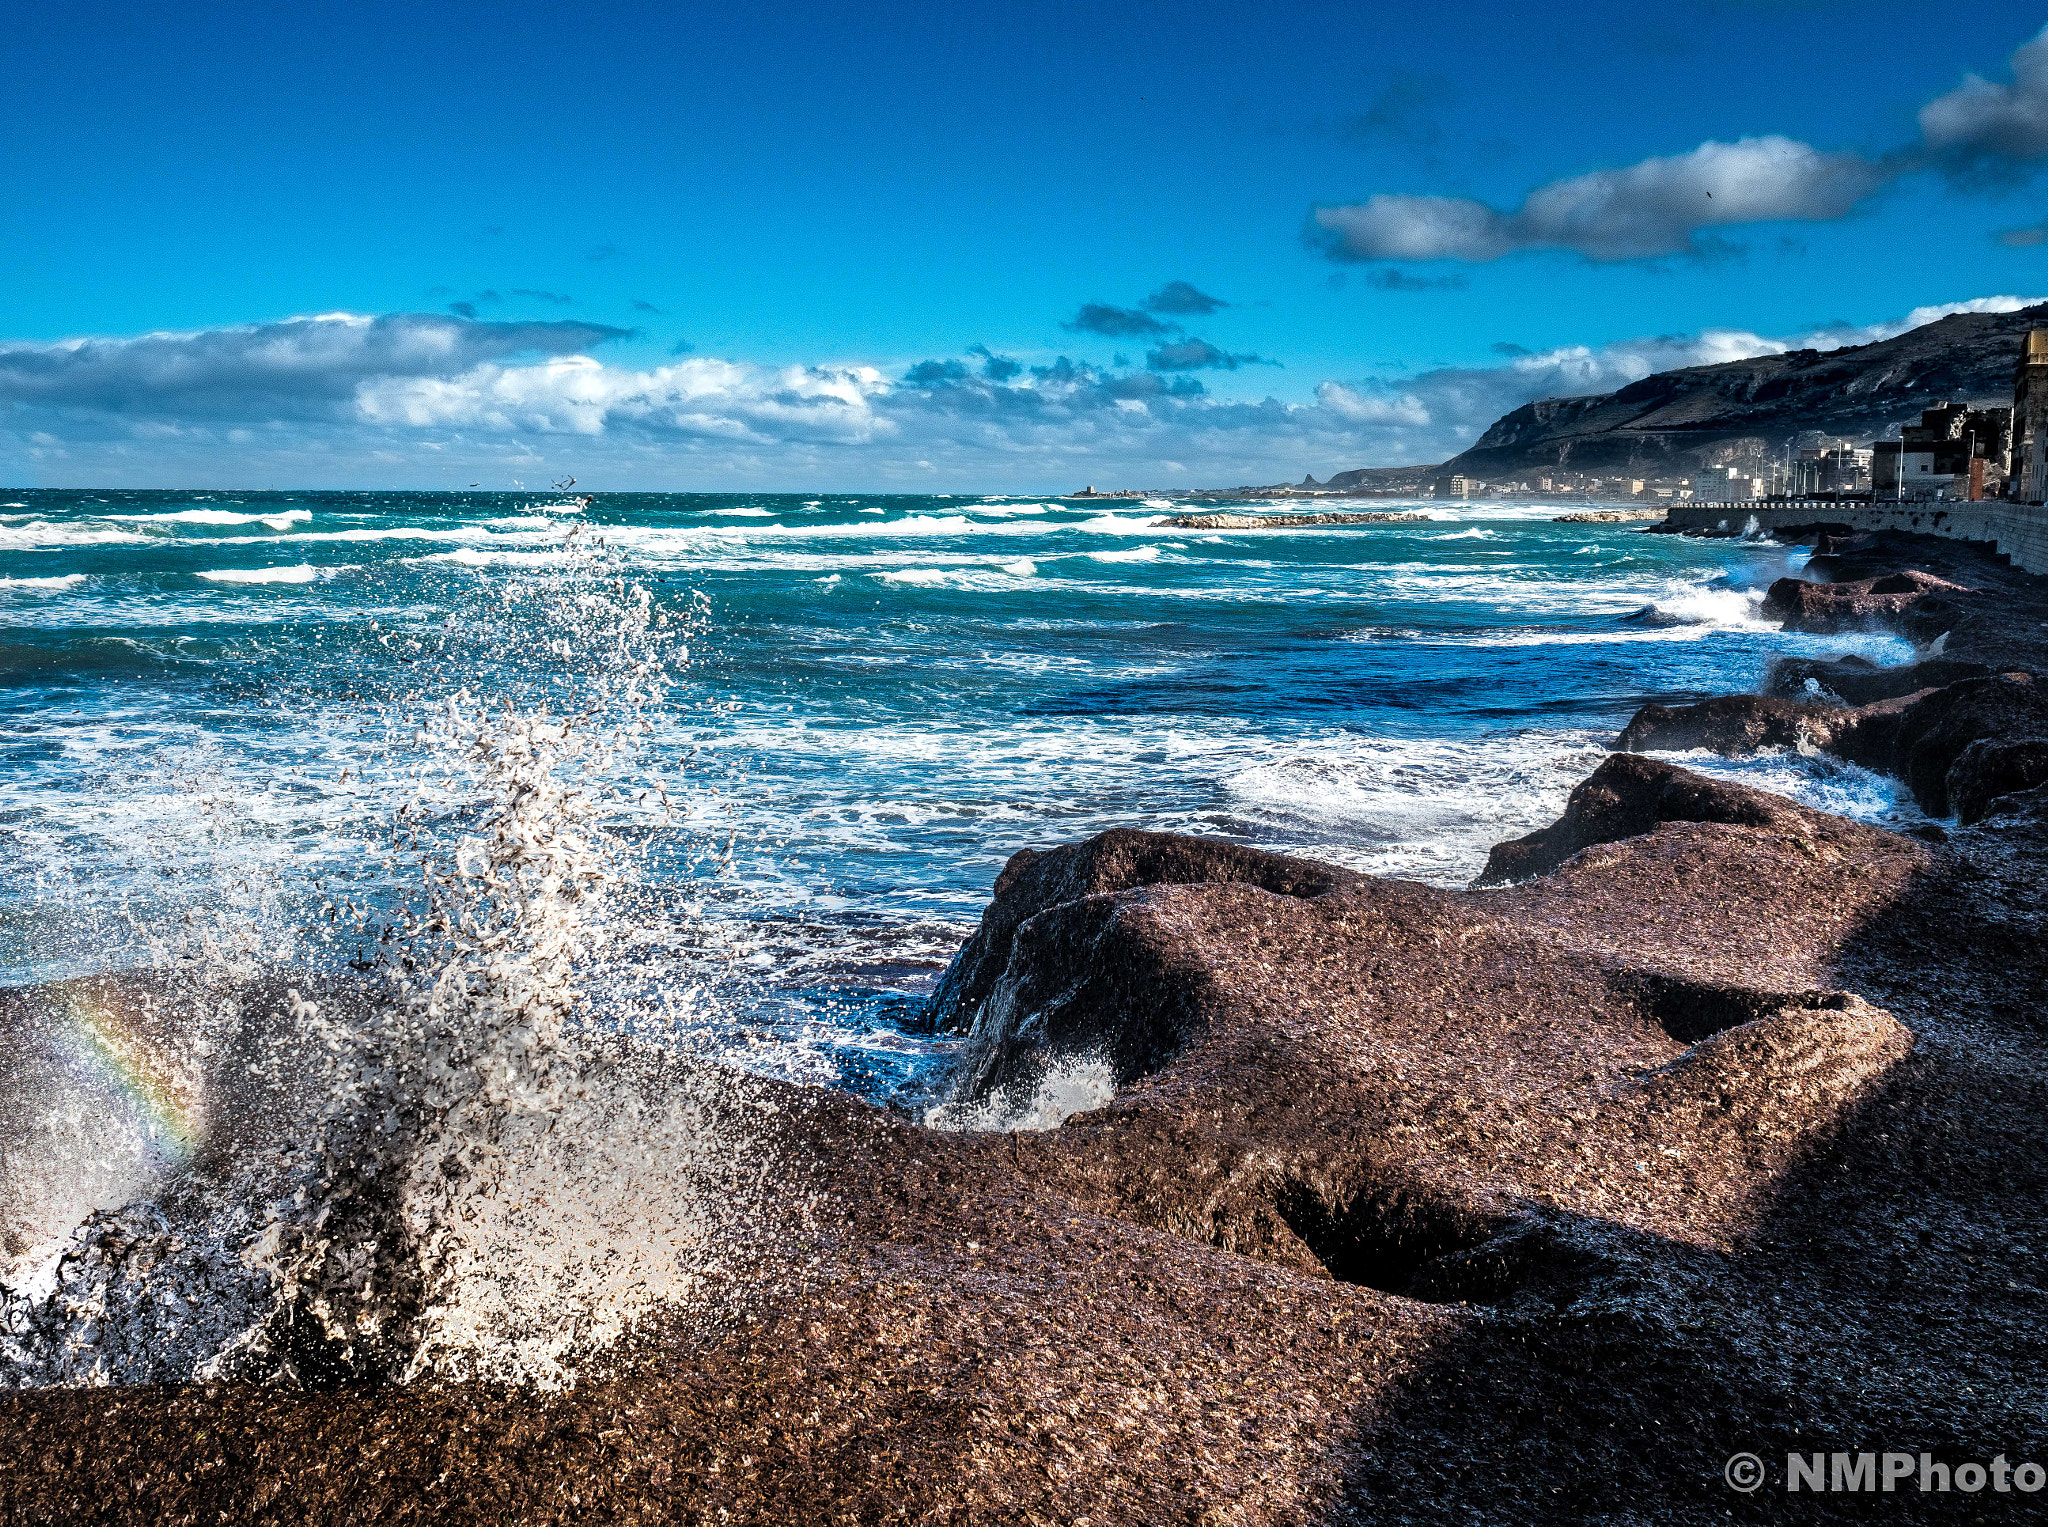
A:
[(2019, 531)]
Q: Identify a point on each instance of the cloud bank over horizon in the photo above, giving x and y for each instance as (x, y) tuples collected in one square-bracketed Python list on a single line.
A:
[(343, 399), (1981, 133)]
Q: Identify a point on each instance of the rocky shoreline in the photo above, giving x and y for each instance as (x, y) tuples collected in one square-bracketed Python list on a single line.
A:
[(1720, 1125), (1277, 521)]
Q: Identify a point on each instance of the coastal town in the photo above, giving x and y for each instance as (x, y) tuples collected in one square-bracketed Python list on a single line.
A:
[(1972, 451)]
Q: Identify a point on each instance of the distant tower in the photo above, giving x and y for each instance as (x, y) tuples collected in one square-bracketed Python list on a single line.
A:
[(2030, 419)]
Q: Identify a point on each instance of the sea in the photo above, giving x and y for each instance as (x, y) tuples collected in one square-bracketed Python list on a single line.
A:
[(410, 903), (222, 723)]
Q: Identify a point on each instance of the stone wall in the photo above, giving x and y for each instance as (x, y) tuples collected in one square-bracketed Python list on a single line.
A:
[(2019, 531)]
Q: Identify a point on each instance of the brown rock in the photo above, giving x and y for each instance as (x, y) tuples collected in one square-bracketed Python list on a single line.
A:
[(1624, 798), (1858, 681), (1988, 769), (1937, 729), (1726, 724)]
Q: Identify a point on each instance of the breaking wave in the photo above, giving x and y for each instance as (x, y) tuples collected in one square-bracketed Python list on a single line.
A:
[(456, 1161)]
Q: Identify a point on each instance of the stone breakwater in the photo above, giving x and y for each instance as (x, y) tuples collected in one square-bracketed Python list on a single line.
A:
[(1607, 516), (1275, 521), (1721, 1127), (2016, 531)]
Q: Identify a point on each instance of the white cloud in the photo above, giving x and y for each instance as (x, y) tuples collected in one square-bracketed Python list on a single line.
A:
[(1980, 124), (308, 407), (1656, 207), (298, 368), (700, 396)]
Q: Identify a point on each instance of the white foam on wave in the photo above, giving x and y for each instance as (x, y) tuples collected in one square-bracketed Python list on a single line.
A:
[(1426, 808), (746, 512), (305, 572), (1133, 554), (1814, 779), (385, 533), (282, 520), (41, 533), (470, 556), (44, 585)]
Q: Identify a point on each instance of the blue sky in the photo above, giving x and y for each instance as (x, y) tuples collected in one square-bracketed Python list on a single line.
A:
[(706, 249)]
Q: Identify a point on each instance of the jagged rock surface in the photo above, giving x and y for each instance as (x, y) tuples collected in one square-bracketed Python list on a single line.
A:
[(1987, 770)]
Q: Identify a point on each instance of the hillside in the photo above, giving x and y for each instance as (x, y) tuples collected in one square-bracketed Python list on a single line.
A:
[(1676, 421)]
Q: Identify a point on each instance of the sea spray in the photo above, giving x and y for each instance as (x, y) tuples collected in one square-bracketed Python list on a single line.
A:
[(458, 1174)]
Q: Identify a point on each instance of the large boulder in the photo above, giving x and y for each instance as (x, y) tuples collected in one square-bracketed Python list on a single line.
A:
[(1937, 729), (1725, 724), (1988, 769), (1909, 598), (1036, 881), (1856, 680), (1625, 797), (1739, 724)]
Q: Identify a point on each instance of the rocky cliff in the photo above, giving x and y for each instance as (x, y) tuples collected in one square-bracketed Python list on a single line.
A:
[(1677, 421)]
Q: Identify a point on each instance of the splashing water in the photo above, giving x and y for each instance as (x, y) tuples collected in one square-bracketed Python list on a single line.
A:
[(448, 1168), (1069, 1084)]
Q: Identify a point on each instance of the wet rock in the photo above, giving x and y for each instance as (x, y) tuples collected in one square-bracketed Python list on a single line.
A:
[(1935, 732), (1735, 725), (1730, 724), (1626, 796), (1448, 1197), (1223, 521), (1826, 608), (1858, 681), (1036, 880), (1988, 769)]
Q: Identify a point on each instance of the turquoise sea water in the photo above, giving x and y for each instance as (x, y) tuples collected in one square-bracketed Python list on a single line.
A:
[(212, 700)]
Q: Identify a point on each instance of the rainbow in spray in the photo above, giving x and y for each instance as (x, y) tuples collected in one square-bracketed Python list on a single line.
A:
[(112, 1039)]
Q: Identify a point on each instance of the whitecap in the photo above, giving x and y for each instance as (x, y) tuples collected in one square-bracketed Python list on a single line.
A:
[(1134, 554), (44, 533), (748, 512), (50, 585), (921, 577), (469, 557), (283, 520), (1116, 525), (303, 573)]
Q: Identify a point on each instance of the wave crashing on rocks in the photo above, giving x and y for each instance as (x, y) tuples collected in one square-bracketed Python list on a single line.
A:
[(443, 1166)]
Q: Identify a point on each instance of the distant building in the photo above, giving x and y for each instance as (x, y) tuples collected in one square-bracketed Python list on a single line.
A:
[(1457, 487), (1955, 451), (2029, 466)]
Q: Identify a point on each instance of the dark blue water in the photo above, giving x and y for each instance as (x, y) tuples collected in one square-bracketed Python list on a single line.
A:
[(208, 701)]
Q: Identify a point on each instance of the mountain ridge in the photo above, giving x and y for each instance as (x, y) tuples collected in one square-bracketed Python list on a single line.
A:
[(1700, 416)]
